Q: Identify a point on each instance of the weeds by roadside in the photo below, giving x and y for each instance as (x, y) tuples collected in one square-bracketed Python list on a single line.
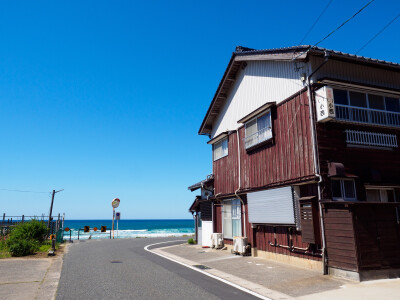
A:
[(25, 239)]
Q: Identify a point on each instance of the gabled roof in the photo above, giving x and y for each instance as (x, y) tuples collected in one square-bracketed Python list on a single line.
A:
[(198, 185), (301, 53)]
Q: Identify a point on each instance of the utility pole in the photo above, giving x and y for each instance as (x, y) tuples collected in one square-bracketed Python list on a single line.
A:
[(51, 206)]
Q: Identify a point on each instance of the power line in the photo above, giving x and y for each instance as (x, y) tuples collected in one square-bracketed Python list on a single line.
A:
[(316, 21), (21, 191), (337, 28), (378, 33)]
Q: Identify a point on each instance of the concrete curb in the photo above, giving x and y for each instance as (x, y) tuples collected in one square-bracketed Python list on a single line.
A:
[(257, 289), (48, 287)]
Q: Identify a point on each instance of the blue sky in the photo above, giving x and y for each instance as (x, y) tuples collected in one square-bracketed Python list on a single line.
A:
[(104, 98)]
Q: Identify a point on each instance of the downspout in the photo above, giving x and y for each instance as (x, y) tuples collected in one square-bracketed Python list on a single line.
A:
[(316, 161), (236, 192), (212, 210)]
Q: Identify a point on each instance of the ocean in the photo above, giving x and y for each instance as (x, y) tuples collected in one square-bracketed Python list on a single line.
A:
[(129, 228)]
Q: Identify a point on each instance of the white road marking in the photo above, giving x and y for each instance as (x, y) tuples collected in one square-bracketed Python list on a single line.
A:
[(203, 272)]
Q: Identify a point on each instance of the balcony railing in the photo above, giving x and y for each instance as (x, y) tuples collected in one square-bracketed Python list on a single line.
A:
[(258, 137), (367, 116), (366, 138)]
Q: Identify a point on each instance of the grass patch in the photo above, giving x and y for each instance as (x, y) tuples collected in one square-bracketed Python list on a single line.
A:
[(46, 246), (5, 254)]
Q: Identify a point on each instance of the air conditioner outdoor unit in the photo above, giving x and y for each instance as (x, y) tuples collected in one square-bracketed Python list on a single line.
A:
[(240, 245), (217, 240)]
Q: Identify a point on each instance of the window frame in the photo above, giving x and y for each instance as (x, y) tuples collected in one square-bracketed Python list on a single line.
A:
[(380, 189), (367, 94), (267, 113), (215, 145), (342, 189), (233, 204)]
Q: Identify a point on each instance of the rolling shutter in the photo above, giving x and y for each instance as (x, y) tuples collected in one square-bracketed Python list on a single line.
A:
[(273, 206)]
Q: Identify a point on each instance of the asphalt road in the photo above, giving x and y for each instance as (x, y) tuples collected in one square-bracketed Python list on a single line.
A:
[(122, 269)]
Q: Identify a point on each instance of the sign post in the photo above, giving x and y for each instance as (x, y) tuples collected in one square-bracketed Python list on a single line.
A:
[(117, 217), (114, 204)]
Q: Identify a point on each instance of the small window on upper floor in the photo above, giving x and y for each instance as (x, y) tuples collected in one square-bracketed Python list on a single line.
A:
[(380, 194), (220, 149), (343, 189), (258, 130)]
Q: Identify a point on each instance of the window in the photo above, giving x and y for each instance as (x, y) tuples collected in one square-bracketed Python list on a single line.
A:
[(367, 108), (392, 104), (343, 189), (340, 97), (231, 216), (220, 149), (258, 130), (380, 194)]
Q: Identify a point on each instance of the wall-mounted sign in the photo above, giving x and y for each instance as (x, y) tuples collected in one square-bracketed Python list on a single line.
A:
[(325, 105), (115, 203)]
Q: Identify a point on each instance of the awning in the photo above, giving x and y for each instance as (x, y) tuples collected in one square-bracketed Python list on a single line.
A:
[(336, 169), (257, 112)]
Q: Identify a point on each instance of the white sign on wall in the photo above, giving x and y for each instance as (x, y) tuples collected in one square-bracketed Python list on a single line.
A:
[(325, 104)]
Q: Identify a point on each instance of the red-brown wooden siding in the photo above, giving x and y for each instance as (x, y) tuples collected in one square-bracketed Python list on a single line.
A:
[(370, 165), (262, 235), (288, 157), (362, 236)]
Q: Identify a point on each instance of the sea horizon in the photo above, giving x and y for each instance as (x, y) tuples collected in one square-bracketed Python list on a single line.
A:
[(129, 228)]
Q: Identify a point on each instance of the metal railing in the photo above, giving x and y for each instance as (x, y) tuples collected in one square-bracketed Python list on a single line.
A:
[(367, 116), (258, 137), (371, 138), (8, 222)]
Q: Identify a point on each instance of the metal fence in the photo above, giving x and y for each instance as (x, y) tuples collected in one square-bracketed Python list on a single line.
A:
[(56, 225)]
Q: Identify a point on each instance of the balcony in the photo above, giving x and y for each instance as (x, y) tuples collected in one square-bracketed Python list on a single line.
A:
[(258, 137), (367, 116), (374, 139)]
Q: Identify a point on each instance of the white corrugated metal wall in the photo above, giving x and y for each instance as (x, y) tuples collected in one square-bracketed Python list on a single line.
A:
[(260, 82)]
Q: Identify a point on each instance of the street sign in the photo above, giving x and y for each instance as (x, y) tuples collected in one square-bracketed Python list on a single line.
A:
[(115, 203), (118, 216), (66, 229)]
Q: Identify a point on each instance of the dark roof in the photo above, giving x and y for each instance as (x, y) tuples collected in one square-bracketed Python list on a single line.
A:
[(311, 50), (198, 185), (301, 52)]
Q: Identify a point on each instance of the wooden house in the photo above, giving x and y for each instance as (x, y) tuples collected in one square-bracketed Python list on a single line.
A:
[(201, 210), (306, 160)]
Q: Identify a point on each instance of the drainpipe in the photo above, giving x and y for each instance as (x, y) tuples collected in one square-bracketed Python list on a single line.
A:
[(212, 210), (316, 161), (236, 192)]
